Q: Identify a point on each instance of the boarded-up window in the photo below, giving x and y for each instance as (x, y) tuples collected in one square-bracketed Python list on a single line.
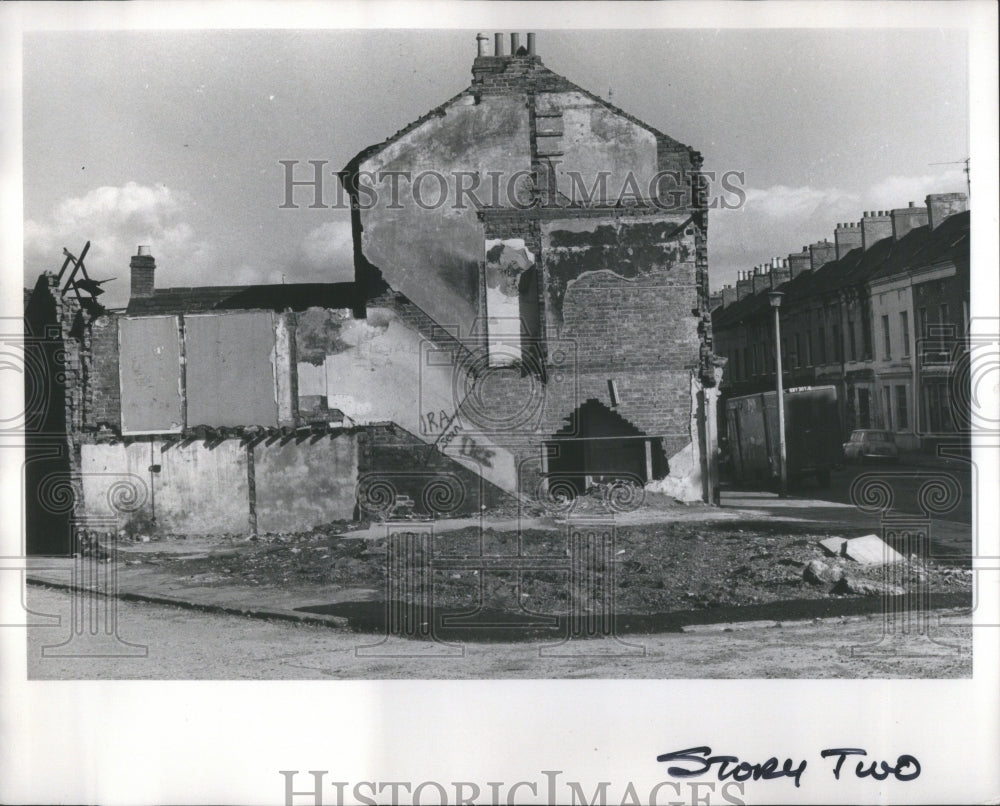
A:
[(230, 369), (150, 371)]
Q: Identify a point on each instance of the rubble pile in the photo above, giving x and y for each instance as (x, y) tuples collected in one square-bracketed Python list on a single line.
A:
[(657, 568)]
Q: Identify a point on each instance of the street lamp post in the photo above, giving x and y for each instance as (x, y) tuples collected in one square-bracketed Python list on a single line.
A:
[(775, 297)]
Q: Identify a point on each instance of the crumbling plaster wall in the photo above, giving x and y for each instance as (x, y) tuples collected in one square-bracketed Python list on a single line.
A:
[(301, 483), (432, 253), (391, 373), (203, 487), (595, 138), (197, 490)]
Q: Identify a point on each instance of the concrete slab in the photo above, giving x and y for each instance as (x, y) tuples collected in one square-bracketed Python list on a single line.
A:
[(871, 550), (834, 545)]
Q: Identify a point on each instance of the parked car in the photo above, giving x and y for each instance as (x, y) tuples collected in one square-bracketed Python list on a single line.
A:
[(868, 444)]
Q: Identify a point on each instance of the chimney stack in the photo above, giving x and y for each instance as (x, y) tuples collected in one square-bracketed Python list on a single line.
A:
[(941, 206), (906, 218), (780, 271), (728, 295), (760, 279), (875, 225), (846, 237), (821, 253), (798, 263), (143, 266), (744, 285)]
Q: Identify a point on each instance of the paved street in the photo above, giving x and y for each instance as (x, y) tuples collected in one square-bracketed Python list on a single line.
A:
[(184, 644), (906, 480), (951, 533)]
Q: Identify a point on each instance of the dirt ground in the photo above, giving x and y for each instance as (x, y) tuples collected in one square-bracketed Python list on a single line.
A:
[(664, 561)]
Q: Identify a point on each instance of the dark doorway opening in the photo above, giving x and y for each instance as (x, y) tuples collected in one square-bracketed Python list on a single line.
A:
[(864, 409), (599, 446), (529, 310)]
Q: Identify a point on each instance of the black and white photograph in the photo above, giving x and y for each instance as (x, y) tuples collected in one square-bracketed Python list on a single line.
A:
[(413, 373)]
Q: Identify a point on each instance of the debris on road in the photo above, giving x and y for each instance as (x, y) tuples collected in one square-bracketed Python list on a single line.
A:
[(864, 550), (819, 572), (871, 550), (866, 587), (657, 567)]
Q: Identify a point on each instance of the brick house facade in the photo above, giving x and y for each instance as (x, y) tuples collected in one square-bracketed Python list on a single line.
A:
[(872, 322)]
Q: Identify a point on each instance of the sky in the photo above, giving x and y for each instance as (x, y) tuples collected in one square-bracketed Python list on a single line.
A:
[(174, 139)]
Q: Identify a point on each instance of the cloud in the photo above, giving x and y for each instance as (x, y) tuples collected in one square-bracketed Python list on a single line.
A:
[(784, 203), (898, 191), (116, 220)]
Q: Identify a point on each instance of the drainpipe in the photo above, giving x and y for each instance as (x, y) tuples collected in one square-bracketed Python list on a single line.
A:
[(251, 491), (152, 486)]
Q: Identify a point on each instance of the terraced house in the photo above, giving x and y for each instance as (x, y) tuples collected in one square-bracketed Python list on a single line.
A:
[(549, 337), (881, 313)]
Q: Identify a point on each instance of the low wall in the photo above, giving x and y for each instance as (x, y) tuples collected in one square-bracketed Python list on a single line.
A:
[(301, 485), (199, 487)]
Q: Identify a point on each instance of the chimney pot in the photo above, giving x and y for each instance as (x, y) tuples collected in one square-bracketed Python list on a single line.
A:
[(498, 44), (143, 251), (481, 40), (531, 44), (515, 43), (913, 204)]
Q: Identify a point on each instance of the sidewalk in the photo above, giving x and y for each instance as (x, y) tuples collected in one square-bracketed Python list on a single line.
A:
[(153, 584)]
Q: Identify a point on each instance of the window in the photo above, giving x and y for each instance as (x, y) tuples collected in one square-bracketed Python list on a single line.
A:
[(798, 350), (821, 338), (853, 341), (902, 413), (943, 313), (886, 337), (922, 323), (837, 346), (866, 336), (809, 349), (937, 408), (904, 326), (784, 351), (746, 364), (887, 406)]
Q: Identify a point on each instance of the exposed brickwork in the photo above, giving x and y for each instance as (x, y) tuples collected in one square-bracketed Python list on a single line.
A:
[(103, 398)]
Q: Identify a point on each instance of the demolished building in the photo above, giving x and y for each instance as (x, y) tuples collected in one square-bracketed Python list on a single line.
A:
[(525, 348)]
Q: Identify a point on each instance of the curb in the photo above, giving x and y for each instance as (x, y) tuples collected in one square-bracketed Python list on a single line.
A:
[(734, 626), (271, 615), (666, 622)]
